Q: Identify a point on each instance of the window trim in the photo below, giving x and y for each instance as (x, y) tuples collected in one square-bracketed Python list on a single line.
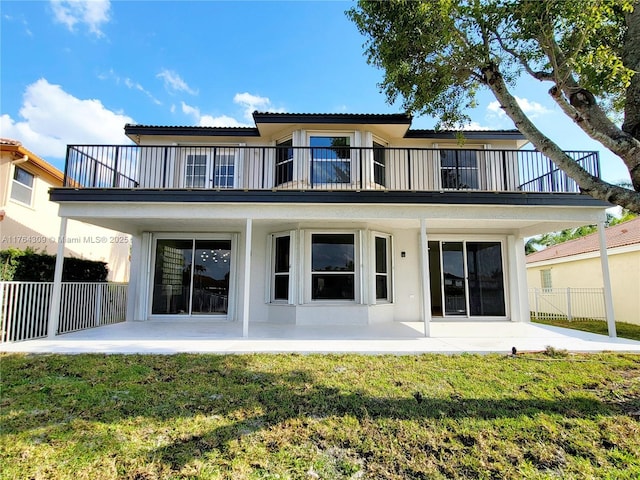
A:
[(374, 271), (270, 297), (31, 188)]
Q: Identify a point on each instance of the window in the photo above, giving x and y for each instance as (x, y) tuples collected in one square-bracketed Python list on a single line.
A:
[(459, 169), (196, 174), (22, 186), (224, 170), (467, 279), (204, 172), (545, 278), (330, 159), (333, 266), (284, 162), (486, 279), (379, 164), (281, 267), (383, 268), (191, 277)]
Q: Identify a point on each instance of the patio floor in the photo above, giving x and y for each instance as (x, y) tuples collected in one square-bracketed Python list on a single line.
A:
[(395, 338)]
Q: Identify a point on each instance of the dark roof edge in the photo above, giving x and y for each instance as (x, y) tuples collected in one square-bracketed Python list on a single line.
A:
[(364, 197), (362, 118), (130, 129), (473, 134)]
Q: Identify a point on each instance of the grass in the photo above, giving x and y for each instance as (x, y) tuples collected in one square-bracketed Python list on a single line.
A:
[(623, 330), (535, 416)]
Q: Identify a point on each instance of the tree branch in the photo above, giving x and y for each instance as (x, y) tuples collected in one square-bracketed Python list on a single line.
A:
[(588, 183)]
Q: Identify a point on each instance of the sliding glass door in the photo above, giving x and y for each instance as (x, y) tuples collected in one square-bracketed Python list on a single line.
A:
[(467, 279), (191, 277)]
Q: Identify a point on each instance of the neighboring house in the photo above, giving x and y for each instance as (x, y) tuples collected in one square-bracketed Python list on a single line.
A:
[(324, 219), (29, 219), (576, 264)]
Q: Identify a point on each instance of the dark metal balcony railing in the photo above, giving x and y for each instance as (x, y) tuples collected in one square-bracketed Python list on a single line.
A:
[(318, 168)]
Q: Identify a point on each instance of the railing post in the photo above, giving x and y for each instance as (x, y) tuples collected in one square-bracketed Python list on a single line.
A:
[(505, 177), (569, 315), (409, 179), (213, 168), (66, 168), (165, 161), (264, 166), (360, 160), (115, 167), (535, 296), (98, 299)]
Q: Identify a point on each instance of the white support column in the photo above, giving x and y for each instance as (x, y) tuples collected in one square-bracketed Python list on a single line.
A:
[(247, 278), (424, 275), (517, 278), (133, 290), (56, 296), (606, 280)]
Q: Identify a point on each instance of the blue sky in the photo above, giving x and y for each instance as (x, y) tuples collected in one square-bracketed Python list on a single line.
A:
[(77, 71)]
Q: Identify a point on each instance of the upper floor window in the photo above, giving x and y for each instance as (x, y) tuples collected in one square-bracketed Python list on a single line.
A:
[(459, 169), (379, 164), (211, 168), (330, 159), (22, 186), (284, 162)]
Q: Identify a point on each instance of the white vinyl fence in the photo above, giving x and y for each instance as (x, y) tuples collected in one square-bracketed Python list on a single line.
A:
[(571, 304), (24, 307)]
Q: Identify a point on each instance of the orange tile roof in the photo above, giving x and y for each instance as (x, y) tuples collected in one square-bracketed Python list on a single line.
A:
[(627, 233), (14, 146)]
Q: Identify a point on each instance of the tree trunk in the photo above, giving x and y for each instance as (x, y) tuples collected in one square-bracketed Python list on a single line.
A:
[(631, 59)]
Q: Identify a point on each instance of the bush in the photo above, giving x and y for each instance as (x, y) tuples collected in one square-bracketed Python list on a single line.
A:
[(31, 266)]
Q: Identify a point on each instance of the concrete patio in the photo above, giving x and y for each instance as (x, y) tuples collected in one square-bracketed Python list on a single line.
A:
[(396, 338)]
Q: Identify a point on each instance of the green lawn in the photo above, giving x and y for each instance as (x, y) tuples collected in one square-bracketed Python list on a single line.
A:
[(141, 417), (623, 330)]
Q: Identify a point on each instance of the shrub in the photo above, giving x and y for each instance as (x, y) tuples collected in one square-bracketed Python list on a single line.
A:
[(31, 266)]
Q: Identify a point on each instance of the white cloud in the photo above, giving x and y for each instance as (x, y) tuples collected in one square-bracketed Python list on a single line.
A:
[(209, 120), (53, 118), (251, 103), (474, 126), (93, 13), (129, 83), (174, 83), (531, 108)]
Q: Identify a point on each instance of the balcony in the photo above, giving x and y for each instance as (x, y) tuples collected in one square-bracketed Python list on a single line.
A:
[(335, 168)]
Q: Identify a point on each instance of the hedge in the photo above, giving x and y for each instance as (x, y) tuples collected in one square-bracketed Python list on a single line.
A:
[(31, 266)]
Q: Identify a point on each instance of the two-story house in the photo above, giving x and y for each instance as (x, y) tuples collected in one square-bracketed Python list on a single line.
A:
[(324, 219)]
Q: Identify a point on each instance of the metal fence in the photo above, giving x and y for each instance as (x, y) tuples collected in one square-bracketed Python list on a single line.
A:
[(572, 304), (25, 306), (337, 168)]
